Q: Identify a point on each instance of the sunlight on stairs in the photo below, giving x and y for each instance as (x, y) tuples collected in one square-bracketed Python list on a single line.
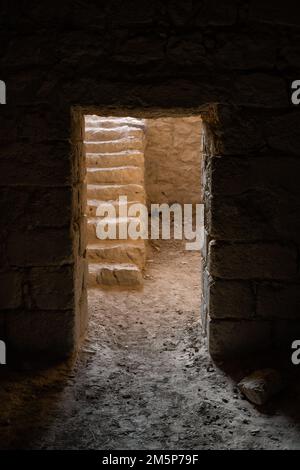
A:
[(115, 167)]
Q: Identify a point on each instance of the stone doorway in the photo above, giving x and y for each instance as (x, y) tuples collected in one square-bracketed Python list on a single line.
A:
[(132, 161)]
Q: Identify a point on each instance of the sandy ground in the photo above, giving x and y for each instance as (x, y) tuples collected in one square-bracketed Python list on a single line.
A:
[(143, 379)]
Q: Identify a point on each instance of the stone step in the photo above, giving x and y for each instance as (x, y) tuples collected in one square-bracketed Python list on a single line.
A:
[(112, 225), (108, 192), (115, 275), (110, 122), (111, 243), (103, 134), (93, 204), (111, 146), (106, 160), (122, 251), (117, 175)]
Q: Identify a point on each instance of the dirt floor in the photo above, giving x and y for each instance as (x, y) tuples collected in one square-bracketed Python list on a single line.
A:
[(143, 379)]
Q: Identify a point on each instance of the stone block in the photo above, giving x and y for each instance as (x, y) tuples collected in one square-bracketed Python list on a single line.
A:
[(277, 300), (234, 175), (252, 261), (52, 288), (11, 289), (45, 124), (282, 134), (261, 385), (258, 51), (45, 247), (272, 13), (189, 50), (261, 90), (228, 338), (45, 332), (2, 325), (231, 299), (140, 50), (284, 332), (239, 131), (254, 216), (210, 12), (40, 164)]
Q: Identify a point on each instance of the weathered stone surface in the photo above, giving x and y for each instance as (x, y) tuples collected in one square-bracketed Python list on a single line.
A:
[(114, 123), (140, 50), (278, 301), (173, 160), (102, 160), (252, 261), (35, 206), (109, 134), (231, 299), (42, 125), (112, 192), (240, 217), (239, 131), (40, 164), (232, 338), (133, 13), (40, 247), (50, 207), (117, 251), (259, 51), (291, 54), (261, 385), (49, 332), (52, 288), (115, 275), (261, 90), (282, 135), (126, 143), (271, 13), (233, 175), (253, 215), (10, 289), (208, 12), (186, 51), (123, 275), (204, 248), (284, 332), (117, 175), (3, 326)]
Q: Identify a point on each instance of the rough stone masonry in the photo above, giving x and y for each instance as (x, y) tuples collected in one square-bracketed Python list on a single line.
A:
[(231, 61)]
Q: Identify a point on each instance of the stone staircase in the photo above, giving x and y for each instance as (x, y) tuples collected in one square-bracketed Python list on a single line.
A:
[(115, 167)]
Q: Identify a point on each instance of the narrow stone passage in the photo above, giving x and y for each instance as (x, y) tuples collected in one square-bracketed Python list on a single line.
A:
[(143, 378)]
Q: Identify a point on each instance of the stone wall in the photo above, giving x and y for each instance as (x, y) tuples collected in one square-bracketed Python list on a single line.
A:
[(232, 61), (173, 160)]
